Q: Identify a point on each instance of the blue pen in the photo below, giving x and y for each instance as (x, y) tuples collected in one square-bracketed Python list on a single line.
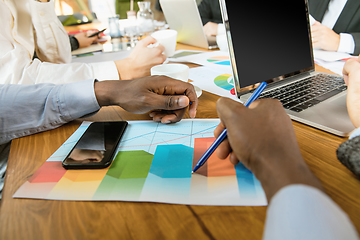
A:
[(223, 134)]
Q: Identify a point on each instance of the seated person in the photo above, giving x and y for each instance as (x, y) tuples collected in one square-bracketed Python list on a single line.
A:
[(211, 18), (38, 29), (29, 109), (338, 25), (263, 139)]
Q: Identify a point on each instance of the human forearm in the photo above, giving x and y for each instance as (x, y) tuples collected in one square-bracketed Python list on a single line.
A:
[(28, 109), (279, 173)]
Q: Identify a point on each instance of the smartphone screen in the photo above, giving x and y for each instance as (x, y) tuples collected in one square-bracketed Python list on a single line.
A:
[(96, 147)]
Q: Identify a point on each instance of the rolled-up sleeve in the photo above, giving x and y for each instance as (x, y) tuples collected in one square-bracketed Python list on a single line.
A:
[(28, 109)]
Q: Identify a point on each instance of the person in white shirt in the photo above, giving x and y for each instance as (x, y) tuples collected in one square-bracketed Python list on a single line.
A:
[(211, 18), (263, 139), (30, 25), (337, 26)]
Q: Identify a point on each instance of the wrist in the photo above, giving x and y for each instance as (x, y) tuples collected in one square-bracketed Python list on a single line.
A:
[(123, 67), (276, 174), (103, 92)]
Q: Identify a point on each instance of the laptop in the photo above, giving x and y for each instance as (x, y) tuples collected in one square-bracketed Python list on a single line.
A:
[(183, 16), (271, 41)]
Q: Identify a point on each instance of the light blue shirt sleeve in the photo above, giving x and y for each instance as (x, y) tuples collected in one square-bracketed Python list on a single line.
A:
[(303, 212), (355, 133), (29, 109)]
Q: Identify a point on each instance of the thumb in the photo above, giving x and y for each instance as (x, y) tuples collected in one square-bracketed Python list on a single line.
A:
[(170, 102)]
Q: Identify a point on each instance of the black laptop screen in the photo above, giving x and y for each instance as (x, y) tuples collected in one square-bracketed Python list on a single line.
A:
[(270, 39)]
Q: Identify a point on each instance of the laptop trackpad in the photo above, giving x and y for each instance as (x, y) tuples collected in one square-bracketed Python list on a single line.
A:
[(330, 115)]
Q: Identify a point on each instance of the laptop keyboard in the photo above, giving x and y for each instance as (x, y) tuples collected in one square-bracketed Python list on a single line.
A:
[(308, 92)]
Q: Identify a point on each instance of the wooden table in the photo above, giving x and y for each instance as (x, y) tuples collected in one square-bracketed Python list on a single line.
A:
[(45, 219)]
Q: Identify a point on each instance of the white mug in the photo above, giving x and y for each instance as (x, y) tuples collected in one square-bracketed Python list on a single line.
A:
[(173, 70), (167, 38)]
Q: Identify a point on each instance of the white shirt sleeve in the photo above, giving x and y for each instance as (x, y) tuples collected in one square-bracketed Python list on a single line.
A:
[(304, 212), (17, 48), (221, 29), (51, 39), (347, 43)]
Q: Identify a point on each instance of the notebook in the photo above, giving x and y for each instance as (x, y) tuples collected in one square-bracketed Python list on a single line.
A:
[(183, 16), (271, 41)]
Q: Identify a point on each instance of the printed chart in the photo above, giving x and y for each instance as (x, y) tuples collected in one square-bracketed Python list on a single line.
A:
[(153, 164), (225, 81), (213, 81), (220, 60)]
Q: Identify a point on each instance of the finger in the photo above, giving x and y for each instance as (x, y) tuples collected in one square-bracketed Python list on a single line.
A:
[(223, 149), (349, 66), (147, 41), (233, 159), (170, 102), (176, 87), (93, 39), (219, 129), (161, 48), (168, 116)]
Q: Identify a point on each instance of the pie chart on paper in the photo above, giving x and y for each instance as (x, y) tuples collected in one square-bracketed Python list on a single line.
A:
[(220, 60), (224, 81)]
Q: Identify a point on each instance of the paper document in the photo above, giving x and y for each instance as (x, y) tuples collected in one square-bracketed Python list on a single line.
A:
[(91, 48), (102, 57), (213, 81), (153, 164)]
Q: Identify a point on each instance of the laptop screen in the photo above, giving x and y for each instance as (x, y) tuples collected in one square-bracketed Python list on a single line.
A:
[(269, 39)]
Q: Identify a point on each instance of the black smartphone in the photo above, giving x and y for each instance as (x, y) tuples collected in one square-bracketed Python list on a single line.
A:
[(96, 147), (96, 33)]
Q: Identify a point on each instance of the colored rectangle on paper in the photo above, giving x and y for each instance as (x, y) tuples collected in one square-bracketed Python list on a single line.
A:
[(172, 161), (85, 175), (34, 190), (214, 167), (69, 190), (114, 188), (246, 182), (48, 172), (131, 164)]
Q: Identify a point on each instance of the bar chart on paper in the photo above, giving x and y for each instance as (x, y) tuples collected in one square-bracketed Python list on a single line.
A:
[(153, 164)]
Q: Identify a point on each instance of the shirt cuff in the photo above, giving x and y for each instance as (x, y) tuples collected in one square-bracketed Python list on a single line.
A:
[(355, 133), (105, 71), (221, 29), (78, 99), (347, 43), (304, 212)]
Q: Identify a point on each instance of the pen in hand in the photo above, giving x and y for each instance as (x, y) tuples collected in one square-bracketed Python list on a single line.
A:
[(223, 134)]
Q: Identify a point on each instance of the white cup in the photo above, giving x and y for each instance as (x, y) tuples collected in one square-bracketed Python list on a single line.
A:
[(167, 38), (173, 70)]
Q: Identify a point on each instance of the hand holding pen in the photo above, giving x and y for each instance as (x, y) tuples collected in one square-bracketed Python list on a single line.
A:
[(223, 135)]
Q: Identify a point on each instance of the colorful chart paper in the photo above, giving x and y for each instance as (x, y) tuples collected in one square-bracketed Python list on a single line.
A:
[(153, 164), (225, 81), (214, 81), (220, 60)]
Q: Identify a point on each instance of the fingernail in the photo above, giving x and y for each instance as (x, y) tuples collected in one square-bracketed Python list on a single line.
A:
[(152, 114), (183, 101), (167, 121)]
